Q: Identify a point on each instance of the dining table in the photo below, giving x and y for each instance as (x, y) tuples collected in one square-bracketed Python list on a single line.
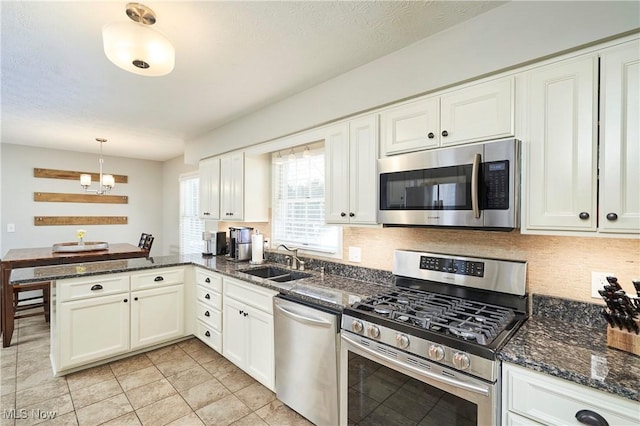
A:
[(46, 256)]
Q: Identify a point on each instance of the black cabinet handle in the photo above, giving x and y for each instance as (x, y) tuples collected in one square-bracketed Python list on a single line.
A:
[(207, 314), (135, 298), (591, 418), (126, 300), (96, 287), (206, 213), (207, 280), (612, 216), (206, 296), (351, 214), (431, 135), (240, 312), (246, 314), (445, 133), (159, 278), (343, 214), (207, 334), (583, 215)]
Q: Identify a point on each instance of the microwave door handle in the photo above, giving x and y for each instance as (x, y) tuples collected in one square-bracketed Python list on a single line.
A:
[(475, 173)]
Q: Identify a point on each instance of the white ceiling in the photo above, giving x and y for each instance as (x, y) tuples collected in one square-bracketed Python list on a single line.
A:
[(232, 58)]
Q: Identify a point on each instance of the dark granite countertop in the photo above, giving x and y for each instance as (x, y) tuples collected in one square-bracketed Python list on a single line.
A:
[(328, 289), (574, 351)]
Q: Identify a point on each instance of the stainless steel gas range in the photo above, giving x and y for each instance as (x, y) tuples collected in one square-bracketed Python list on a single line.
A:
[(424, 352)]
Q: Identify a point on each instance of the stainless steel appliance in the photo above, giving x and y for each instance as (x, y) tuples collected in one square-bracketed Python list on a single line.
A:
[(307, 342), (240, 243), (425, 351), (474, 186), (215, 243)]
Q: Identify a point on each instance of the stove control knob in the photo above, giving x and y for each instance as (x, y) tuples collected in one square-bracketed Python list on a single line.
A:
[(436, 352), (357, 326), (373, 331), (402, 340), (461, 361)]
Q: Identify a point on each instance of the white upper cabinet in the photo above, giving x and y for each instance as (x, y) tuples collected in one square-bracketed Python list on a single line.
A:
[(244, 187), (350, 171), (475, 113), (579, 179), (620, 139), (209, 171), (561, 161)]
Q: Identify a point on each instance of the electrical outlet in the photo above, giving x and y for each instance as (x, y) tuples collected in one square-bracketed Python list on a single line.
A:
[(598, 281), (355, 254)]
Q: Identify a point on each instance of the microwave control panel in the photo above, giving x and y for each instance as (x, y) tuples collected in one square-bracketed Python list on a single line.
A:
[(453, 266), (496, 178)]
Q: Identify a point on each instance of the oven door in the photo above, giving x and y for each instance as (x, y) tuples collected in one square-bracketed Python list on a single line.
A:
[(383, 385)]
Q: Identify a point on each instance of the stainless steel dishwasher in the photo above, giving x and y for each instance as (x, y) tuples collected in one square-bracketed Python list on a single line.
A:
[(306, 350)]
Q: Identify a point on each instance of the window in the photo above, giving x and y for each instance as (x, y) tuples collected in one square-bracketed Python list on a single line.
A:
[(191, 226), (298, 205)]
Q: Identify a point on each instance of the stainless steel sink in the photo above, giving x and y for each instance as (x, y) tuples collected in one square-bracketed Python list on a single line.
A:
[(274, 273)]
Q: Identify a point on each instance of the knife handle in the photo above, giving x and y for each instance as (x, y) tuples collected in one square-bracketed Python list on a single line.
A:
[(636, 285)]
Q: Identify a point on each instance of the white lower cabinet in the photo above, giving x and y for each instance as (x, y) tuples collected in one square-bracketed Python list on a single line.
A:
[(248, 329), (530, 397), (100, 317)]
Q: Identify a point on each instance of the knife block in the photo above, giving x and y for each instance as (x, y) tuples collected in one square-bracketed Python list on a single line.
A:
[(624, 340)]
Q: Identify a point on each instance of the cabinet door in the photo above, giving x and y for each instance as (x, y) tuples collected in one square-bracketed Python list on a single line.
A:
[(209, 172), (93, 329), (363, 157), (481, 112), (411, 127), (260, 361), (337, 174), (234, 332), (620, 139), (232, 186), (157, 315), (561, 160)]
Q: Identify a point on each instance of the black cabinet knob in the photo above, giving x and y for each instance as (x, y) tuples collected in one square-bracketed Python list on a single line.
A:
[(96, 287), (591, 418), (431, 135), (343, 214), (612, 216), (351, 214), (583, 215), (207, 334), (135, 298), (207, 314), (445, 133), (206, 296), (207, 280), (126, 300)]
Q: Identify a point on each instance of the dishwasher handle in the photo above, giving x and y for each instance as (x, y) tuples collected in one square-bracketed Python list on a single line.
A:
[(303, 319)]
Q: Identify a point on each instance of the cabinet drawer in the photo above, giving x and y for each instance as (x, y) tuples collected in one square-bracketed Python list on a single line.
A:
[(209, 336), (82, 288), (206, 314), (157, 278), (209, 280), (258, 297), (554, 401), (209, 298)]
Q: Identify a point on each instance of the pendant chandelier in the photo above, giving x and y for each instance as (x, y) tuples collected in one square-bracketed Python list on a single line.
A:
[(136, 47), (107, 182)]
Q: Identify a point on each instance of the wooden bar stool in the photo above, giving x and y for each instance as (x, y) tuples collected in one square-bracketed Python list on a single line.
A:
[(146, 241), (20, 305)]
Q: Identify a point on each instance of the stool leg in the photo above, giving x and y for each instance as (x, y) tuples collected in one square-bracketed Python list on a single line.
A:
[(45, 300)]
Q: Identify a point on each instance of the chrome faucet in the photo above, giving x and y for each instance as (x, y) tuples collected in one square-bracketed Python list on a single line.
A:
[(295, 261)]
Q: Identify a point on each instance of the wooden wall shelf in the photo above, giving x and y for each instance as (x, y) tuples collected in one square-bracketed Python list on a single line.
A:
[(79, 220), (59, 197), (73, 175)]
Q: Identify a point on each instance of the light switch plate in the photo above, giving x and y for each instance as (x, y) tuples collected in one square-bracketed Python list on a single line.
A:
[(355, 254), (11, 227)]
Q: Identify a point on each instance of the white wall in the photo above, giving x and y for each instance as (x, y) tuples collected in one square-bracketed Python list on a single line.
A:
[(171, 171), (144, 210), (509, 35)]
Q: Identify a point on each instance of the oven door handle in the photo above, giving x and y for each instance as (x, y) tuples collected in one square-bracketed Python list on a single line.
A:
[(443, 379), (475, 186)]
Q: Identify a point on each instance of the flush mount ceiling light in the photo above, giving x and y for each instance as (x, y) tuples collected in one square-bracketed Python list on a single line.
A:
[(135, 46), (107, 182)]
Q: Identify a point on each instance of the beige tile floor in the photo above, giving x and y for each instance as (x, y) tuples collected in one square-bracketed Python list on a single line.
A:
[(182, 384)]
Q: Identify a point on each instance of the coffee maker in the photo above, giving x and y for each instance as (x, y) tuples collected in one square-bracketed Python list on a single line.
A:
[(215, 243), (240, 243)]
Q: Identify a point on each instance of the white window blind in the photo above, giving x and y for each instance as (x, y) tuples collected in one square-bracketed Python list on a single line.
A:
[(298, 205), (191, 226)]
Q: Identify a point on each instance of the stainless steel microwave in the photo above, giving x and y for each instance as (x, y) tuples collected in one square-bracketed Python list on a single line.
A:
[(470, 186)]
